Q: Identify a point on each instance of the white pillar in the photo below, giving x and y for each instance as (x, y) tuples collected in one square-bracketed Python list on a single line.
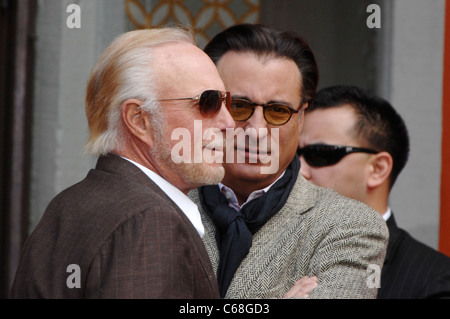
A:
[(64, 59), (416, 92)]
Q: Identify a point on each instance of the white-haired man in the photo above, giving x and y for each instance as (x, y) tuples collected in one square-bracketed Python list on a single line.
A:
[(128, 230)]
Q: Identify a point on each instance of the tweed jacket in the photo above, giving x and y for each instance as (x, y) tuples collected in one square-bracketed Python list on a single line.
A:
[(411, 269), (121, 235), (317, 232)]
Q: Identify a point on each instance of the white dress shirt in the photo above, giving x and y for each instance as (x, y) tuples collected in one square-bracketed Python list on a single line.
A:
[(186, 205)]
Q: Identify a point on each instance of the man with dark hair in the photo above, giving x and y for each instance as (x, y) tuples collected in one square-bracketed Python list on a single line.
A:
[(357, 144), (265, 230)]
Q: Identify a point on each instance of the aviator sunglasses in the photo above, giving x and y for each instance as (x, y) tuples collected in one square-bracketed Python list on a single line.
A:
[(209, 102), (320, 155), (274, 113)]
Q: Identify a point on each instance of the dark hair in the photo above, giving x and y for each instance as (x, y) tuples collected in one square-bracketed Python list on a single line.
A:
[(378, 124), (268, 42)]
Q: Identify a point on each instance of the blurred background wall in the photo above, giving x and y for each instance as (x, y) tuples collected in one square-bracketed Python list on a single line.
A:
[(402, 61)]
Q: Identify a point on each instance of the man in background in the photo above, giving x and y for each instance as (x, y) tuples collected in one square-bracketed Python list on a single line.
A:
[(128, 230), (357, 144)]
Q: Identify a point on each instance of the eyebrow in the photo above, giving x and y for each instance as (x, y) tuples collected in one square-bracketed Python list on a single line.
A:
[(242, 97)]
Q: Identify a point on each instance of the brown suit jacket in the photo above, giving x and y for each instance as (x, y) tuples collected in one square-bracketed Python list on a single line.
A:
[(128, 238)]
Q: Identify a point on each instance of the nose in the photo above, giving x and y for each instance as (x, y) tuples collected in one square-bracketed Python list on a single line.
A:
[(257, 119), (305, 170), (257, 125), (224, 119)]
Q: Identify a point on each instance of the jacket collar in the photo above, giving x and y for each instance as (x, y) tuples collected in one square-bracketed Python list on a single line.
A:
[(303, 196), (395, 235)]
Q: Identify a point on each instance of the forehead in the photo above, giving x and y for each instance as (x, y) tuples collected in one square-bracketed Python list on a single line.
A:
[(183, 68), (330, 126), (260, 79)]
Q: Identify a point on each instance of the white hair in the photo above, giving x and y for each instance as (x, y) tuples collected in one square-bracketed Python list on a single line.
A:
[(124, 72)]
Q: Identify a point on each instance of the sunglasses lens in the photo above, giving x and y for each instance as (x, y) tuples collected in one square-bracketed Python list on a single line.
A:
[(241, 110), (322, 156), (319, 155), (211, 102), (277, 114)]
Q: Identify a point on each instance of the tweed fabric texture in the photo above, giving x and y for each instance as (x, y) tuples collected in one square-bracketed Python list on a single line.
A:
[(317, 232), (236, 228)]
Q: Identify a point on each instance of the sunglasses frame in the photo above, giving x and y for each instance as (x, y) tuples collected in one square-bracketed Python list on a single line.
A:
[(225, 97), (341, 150), (264, 106)]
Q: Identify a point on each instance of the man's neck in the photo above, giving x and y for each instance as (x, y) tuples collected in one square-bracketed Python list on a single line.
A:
[(166, 174), (245, 187), (378, 202)]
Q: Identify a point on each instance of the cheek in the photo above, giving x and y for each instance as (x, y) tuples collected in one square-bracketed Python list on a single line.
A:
[(323, 177), (333, 177), (342, 180), (288, 141)]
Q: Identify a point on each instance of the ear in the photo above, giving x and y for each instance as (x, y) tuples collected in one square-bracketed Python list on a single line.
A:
[(137, 121), (380, 169), (305, 106), (302, 116)]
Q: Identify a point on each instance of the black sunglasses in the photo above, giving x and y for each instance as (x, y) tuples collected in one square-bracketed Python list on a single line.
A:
[(274, 113), (319, 155), (209, 102)]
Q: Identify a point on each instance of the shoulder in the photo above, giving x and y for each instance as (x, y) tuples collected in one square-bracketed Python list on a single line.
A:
[(414, 250), (413, 269), (107, 194), (329, 204), (92, 210)]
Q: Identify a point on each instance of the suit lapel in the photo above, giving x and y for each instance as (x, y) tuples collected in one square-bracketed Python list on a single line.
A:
[(395, 235), (274, 240), (209, 239), (268, 241), (115, 164)]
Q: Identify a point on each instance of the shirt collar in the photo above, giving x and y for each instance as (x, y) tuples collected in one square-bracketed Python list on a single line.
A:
[(387, 214), (186, 205), (232, 199)]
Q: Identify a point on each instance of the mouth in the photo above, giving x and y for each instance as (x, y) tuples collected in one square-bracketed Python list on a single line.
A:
[(213, 149), (211, 146), (252, 155), (252, 146), (251, 150)]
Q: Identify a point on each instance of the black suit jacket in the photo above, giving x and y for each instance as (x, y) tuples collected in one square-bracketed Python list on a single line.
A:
[(128, 238), (411, 269)]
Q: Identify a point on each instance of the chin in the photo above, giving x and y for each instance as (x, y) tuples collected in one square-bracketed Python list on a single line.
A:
[(244, 172), (204, 174)]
